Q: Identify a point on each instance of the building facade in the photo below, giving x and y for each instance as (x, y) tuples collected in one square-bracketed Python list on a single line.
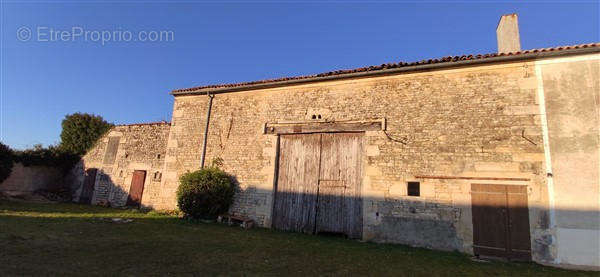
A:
[(492, 155), (128, 158)]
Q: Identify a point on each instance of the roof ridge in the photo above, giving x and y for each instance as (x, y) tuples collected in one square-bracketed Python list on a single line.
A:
[(445, 59)]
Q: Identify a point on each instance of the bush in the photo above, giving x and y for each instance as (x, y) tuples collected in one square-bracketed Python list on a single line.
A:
[(52, 156), (6, 162), (80, 131), (206, 193)]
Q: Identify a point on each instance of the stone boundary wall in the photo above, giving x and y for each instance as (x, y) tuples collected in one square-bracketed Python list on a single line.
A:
[(25, 180)]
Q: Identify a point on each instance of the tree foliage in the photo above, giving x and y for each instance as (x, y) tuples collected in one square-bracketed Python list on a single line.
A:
[(205, 193), (52, 156), (80, 131), (6, 161)]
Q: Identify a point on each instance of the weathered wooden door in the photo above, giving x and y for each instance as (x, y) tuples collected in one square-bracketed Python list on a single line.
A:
[(318, 187), (137, 188), (340, 203), (500, 221), (295, 199), (87, 191)]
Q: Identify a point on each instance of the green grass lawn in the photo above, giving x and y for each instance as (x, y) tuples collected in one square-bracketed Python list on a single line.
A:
[(71, 239)]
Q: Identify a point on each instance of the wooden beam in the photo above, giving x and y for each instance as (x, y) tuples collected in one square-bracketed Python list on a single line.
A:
[(323, 127), (473, 178)]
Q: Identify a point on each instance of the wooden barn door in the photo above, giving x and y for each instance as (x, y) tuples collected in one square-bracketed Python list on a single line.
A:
[(137, 188), (340, 205), (295, 199), (500, 221), (318, 185), (87, 191)]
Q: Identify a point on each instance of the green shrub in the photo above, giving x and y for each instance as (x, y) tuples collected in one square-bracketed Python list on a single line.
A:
[(206, 193), (51, 156), (6, 162)]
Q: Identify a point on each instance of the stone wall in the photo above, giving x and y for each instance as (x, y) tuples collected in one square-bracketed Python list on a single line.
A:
[(446, 129), (25, 180), (117, 154), (472, 122)]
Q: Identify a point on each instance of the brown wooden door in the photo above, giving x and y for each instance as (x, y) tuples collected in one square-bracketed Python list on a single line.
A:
[(137, 188), (87, 191), (500, 221), (318, 185), (518, 223), (296, 194), (340, 204)]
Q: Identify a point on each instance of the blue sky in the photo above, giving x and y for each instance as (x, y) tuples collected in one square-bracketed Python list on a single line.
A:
[(222, 42)]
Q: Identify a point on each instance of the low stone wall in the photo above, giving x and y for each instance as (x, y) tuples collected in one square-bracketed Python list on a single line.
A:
[(25, 180)]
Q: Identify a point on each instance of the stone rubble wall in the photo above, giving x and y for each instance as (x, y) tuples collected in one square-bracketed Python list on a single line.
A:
[(140, 147), (478, 121)]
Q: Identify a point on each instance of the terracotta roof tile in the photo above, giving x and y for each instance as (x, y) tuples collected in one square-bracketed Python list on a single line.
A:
[(447, 59)]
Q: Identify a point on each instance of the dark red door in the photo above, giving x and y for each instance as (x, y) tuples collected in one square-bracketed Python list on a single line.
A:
[(137, 188), (88, 186)]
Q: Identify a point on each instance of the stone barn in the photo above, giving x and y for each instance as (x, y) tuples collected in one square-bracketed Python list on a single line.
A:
[(124, 167), (492, 155)]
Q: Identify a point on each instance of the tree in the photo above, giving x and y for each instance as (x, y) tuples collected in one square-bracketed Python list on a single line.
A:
[(6, 161), (80, 131)]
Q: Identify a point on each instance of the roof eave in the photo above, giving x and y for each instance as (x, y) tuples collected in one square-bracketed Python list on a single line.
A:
[(421, 67)]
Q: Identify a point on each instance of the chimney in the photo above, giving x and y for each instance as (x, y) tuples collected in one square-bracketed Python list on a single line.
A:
[(507, 34)]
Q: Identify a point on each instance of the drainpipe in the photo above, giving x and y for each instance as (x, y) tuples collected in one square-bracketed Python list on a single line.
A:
[(548, 160), (210, 100)]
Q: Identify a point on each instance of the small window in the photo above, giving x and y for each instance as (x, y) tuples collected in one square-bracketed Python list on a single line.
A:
[(157, 176), (414, 189)]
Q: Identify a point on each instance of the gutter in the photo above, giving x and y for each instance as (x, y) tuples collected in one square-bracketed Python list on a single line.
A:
[(384, 72)]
